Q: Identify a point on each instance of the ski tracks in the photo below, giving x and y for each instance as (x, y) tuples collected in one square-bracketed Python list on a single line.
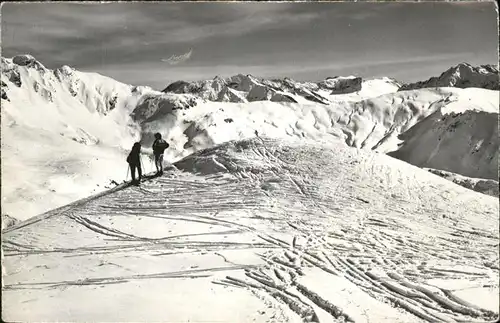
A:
[(316, 217), (385, 262)]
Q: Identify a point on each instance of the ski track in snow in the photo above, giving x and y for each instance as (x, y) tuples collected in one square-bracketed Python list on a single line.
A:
[(316, 235)]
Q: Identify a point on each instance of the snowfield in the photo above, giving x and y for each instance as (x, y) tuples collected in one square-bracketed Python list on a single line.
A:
[(263, 230), (344, 200)]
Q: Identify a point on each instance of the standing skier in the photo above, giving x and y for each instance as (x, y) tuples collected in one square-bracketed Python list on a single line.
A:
[(159, 146), (134, 162)]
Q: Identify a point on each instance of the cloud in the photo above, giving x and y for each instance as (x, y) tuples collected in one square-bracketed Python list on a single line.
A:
[(176, 59), (96, 34), (129, 41)]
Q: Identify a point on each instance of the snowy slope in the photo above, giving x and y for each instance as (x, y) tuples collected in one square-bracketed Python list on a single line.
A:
[(463, 76), (63, 133), (263, 231), (465, 143)]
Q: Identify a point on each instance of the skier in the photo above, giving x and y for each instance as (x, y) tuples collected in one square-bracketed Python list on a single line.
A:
[(134, 162), (159, 146)]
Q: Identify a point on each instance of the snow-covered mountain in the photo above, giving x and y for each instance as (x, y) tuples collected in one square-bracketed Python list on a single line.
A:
[(80, 126), (247, 88), (463, 75), (63, 134)]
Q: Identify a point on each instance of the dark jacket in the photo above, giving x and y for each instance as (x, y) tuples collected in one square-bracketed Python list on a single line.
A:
[(135, 153), (159, 146)]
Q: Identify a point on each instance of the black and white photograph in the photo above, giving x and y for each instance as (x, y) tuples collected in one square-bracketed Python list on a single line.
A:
[(259, 162)]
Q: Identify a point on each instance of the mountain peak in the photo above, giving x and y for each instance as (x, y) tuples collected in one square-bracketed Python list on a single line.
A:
[(463, 64)]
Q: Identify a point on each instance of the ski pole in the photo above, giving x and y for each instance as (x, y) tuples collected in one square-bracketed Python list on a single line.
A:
[(128, 170)]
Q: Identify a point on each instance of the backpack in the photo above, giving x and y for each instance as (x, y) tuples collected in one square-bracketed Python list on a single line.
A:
[(160, 146)]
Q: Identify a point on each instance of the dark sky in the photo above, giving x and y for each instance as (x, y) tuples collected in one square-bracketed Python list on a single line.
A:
[(157, 43)]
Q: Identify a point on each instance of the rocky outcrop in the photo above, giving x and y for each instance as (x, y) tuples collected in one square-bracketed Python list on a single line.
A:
[(243, 83), (154, 107), (342, 85), (260, 93), (3, 90), (10, 73), (28, 61), (281, 97), (23, 60), (230, 95), (177, 87)]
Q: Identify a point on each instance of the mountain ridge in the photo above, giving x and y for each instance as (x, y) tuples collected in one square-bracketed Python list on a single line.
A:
[(247, 88), (462, 75)]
